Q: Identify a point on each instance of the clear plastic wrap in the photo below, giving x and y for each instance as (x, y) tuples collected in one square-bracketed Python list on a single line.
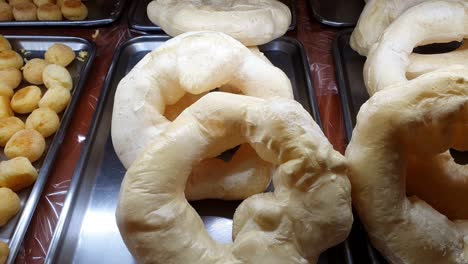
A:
[(316, 39)]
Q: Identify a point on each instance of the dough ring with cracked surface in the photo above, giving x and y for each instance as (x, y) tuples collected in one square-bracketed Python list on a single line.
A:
[(310, 205), (177, 74), (429, 22), (252, 22), (413, 121)]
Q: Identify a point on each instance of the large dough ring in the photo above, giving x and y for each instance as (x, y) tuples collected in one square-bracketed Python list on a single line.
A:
[(174, 76), (252, 22), (429, 22), (422, 119), (308, 212)]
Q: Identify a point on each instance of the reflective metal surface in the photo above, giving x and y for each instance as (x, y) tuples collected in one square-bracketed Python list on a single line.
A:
[(337, 13), (87, 232), (35, 47), (139, 21), (100, 12)]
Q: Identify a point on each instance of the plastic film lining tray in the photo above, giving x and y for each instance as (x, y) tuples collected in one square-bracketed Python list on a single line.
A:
[(35, 47), (87, 232)]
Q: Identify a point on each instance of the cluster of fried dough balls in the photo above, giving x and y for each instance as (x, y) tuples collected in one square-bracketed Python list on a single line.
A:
[(44, 10)]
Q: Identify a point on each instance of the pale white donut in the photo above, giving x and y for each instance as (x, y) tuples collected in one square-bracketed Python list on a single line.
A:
[(429, 22), (252, 22), (308, 212), (193, 63)]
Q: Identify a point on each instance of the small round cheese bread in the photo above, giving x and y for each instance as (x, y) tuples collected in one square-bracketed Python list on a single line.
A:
[(6, 13), (10, 59), (43, 120), (5, 108), (430, 22), (33, 69), (401, 133), (8, 127), (74, 10), (26, 143), (59, 54), (17, 174), (25, 100), (11, 77), (4, 252), (39, 3), (9, 207), (309, 211), (26, 11), (4, 43), (175, 75), (49, 12), (56, 99), (5, 90), (252, 22), (55, 75)]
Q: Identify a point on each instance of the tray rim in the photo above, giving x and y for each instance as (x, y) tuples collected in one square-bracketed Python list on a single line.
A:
[(142, 29), (67, 23), (66, 213), (30, 205)]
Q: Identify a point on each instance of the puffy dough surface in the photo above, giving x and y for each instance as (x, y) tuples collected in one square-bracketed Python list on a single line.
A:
[(9, 207), (191, 65), (252, 22), (419, 119), (308, 212)]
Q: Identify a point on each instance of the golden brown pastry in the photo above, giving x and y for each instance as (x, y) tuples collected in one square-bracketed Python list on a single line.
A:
[(56, 99), (10, 59), (15, 2), (25, 100), (26, 143), (57, 76), (5, 108), (5, 90), (309, 211), (9, 207), (40, 3), (25, 11), (4, 252), (17, 174), (59, 54), (417, 120), (50, 12), (11, 77), (8, 127), (6, 12), (4, 43), (74, 10), (43, 120), (33, 70)]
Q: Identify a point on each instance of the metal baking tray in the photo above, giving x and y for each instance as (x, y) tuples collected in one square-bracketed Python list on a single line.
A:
[(349, 73), (138, 19), (87, 232), (100, 12), (35, 47), (337, 13)]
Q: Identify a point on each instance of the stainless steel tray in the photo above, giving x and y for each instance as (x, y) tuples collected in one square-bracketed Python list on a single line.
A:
[(349, 73), (86, 231), (138, 19), (100, 12), (337, 13), (35, 46)]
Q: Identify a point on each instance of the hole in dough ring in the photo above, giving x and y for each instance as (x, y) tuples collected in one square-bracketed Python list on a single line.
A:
[(194, 63), (310, 204), (423, 118), (252, 22), (388, 60)]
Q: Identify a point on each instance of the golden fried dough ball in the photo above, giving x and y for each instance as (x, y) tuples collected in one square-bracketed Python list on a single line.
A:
[(57, 76), (26, 100), (59, 54), (5, 109), (4, 252), (11, 77), (4, 43), (56, 99), (6, 13), (25, 11), (10, 59), (8, 127), (49, 12), (9, 207), (15, 2), (43, 2), (33, 69), (43, 120), (25, 143), (74, 10), (17, 174), (5, 90)]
